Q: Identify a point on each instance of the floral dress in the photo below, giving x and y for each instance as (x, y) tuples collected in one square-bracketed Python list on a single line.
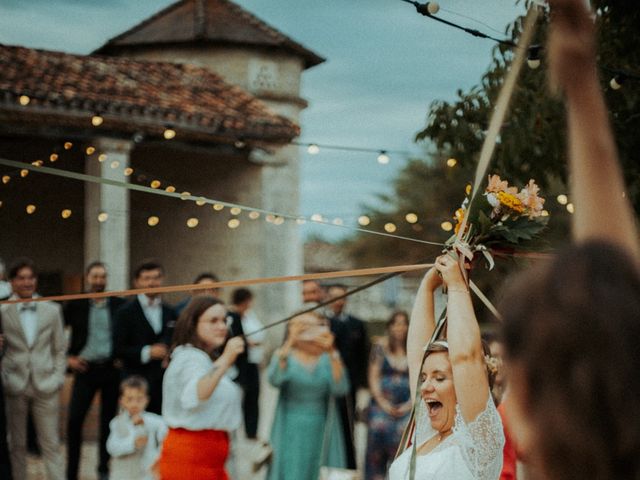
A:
[(385, 431)]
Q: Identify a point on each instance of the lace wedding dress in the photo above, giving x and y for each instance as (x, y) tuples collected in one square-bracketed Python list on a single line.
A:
[(472, 452)]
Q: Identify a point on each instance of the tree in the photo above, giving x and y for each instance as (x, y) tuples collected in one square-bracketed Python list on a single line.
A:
[(532, 145)]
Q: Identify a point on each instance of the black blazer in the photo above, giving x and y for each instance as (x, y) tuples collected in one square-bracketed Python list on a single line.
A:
[(242, 361), (352, 342), (133, 332), (76, 316)]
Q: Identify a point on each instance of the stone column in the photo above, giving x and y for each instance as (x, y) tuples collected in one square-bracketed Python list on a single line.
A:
[(108, 240)]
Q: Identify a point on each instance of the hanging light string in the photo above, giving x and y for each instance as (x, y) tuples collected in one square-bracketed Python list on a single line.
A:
[(430, 9), (184, 196)]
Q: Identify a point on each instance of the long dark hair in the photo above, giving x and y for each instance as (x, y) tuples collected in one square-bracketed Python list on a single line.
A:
[(572, 332), (394, 345), (186, 326)]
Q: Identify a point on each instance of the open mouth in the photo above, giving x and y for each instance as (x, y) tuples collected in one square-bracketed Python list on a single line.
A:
[(433, 406)]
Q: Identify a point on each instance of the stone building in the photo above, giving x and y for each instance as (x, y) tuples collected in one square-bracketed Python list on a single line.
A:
[(226, 83)]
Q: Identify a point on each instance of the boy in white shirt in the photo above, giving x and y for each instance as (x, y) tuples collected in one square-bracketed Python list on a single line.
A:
[(136, 436)]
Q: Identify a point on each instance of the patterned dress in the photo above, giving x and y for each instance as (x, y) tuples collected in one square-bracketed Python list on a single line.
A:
[(385, 431)]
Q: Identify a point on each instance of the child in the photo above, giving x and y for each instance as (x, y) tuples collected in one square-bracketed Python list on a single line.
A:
[(135, 436)]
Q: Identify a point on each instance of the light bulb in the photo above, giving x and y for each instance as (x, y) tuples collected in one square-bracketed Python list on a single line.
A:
[(68, 145), (616, 82), (446, 226), (24, 100), (364, 220), (452, 162), (152, 221), (53, 157), (30, 209), (192, 222), (155, 184), (66, 213), (562, 199), (96, 120), (383, 158), (411, 217), (169, 133), (233, 223), (390, 227), (218, 206), (103, 217), (313, 149), (254, 215), (433, 7), (235, 210)]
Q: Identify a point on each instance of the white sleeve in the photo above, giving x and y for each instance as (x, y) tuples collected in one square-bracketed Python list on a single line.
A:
[(145, 354), (482, 442), (122, 438), (197, 368)]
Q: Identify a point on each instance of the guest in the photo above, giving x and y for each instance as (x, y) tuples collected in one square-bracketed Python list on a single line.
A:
[(203, 278), (90, 358), (5, 287), (463, 438), (497, 354), (352, 342), (136, 435), (390, 401), (143, 331), (571, 326), (202, 405), (306, 430), (312, 292), (5, 461), (33, 370), (244, 321)]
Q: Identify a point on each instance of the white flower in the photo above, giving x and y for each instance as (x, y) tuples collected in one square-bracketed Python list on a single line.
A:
[(493, 200)]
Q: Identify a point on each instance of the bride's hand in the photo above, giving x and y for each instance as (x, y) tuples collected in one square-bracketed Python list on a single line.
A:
[(432, 279), (450, 271)]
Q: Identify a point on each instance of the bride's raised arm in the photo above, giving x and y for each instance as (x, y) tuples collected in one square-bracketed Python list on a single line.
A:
[(465, 346), (421, 325)]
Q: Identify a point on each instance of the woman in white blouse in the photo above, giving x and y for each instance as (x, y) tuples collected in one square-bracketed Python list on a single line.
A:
[(201, 405), (460, 436)]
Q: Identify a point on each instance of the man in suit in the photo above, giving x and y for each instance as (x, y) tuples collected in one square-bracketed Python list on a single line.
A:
[(143, 332), (33, 370), (352, 342), (90, 358)]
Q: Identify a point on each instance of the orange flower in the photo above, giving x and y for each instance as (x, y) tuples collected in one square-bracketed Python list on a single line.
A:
[(497, 185), (511, 201), (530, 199)]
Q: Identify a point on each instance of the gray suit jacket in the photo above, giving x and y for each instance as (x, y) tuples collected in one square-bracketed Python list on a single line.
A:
[(43, 365)]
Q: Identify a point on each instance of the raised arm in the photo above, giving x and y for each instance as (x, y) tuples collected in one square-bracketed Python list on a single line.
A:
[(465, 346), (421, 325), (597, 185), (208, 383)]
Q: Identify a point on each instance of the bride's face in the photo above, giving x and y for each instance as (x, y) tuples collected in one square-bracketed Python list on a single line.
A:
[(438, 392)]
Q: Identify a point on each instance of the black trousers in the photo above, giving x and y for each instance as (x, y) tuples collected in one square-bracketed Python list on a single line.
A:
[(250, 401), (347, 407), (5, 462), (102, 377)]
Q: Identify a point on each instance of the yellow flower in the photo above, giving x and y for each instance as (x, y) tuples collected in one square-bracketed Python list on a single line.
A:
[(458, 216), (509, 200)]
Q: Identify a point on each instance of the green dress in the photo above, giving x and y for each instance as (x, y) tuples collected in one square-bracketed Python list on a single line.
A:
[(305, 414)]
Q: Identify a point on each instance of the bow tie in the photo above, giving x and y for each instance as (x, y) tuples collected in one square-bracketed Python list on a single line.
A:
[(25, 307)]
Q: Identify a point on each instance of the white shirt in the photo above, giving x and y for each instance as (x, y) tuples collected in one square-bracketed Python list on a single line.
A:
[(250, 324), (5, 289), (152, 309), (28, 320), (129, 462), (181, 407), (472, 452)]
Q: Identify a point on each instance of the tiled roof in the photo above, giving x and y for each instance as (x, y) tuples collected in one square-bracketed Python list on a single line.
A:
[(208, 21), (132, 96)]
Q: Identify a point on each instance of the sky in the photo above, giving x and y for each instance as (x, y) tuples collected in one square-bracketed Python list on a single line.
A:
[(385, 65)]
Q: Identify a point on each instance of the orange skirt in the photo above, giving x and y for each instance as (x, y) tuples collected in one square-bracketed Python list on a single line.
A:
[(194, 455)]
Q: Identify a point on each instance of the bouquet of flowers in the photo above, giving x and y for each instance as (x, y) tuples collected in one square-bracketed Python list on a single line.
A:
[(503, 218)]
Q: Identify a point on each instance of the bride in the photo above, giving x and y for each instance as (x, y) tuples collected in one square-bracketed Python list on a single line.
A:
[(458, 432)]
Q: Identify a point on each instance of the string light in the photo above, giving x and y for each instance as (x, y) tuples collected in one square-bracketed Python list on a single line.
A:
[(30, 209), (97, 120), (155, 184), (533, 56), (102, 157), (616, 82), (270, 218), (446, 226), (115, 164), (313, 149), (570, 208), (278, 220), (169, 133), (235, 211), (170, 189), (24, 172), (68, 145), (66, 213), (6, 179), (90, 150), (316, 217), (383, 158), (411, 217), (452, 162), (217, 207), (301, 220), (24, 100), (37, 163), (185, 195), (338, 221), (562, 199), (103, 217), (390, 227), (192, 222), (53, 157), (201, 201), (254, 215), (364, 220), (152, 221), (544, 213), (128, 172), (233, 223)]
